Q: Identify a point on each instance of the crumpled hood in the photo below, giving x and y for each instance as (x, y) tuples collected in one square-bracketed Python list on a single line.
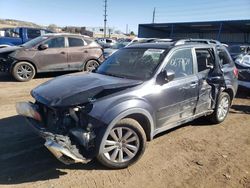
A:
[(74, 89)]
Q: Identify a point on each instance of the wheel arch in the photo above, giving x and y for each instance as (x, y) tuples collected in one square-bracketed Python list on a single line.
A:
[(230, 92), (143, 117), (22, 60)]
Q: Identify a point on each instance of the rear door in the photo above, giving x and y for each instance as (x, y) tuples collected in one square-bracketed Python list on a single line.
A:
[(54, 58), (77, 52), (204, 58)]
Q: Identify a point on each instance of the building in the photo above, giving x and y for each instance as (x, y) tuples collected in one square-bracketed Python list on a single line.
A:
[(110, 33), (231, 31), (78, 30)]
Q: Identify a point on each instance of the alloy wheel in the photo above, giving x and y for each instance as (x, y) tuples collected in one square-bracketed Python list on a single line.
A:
[(24, 71), (223, 108), (121, 145)]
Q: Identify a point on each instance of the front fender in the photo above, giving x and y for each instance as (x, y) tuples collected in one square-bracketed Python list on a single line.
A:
[(120, 111)]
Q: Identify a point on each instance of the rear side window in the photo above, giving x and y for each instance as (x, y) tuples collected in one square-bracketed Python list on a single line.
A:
[(33, 33), (224, 57), (204, 57), (56, 42), (74, 42), (181, 62)]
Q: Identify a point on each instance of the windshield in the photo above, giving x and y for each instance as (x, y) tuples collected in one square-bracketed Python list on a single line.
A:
[(139, 64), (34, 41)]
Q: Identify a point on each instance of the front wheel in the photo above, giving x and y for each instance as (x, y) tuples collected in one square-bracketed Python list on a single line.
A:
[(91, 65), (124, 144), (222, 108), (23, 71)]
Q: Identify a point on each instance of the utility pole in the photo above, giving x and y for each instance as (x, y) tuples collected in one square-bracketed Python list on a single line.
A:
[(105, 18), (153, 21), (126, 28)]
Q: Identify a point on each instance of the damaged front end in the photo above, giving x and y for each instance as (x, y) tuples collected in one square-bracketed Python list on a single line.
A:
[(69, 132)]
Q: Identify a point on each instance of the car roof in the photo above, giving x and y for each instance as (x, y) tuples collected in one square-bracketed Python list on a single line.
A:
[(65, 34), (167, 45)]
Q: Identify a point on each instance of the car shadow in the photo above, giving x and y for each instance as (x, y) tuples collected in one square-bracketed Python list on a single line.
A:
[(240, 109), (23, 158), (243, 93), (5, 77)]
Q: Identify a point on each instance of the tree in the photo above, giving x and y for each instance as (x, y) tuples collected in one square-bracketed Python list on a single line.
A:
[(52, 27)]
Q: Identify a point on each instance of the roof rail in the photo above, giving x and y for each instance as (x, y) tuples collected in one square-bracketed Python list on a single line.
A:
[(190, 40)]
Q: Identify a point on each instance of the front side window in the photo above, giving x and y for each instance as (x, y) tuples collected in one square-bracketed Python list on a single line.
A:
[(75, 42), (204, 58), (181, 62), (33, 33), (56, 42), (139, 64)]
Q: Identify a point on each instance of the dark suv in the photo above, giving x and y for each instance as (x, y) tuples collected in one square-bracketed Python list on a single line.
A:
[(138, 92), (51, 53)]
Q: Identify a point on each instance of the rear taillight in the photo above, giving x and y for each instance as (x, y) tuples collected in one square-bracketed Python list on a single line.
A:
[(236, 72)]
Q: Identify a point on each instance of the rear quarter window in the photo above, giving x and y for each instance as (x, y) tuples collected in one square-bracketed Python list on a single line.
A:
[(224, 57)]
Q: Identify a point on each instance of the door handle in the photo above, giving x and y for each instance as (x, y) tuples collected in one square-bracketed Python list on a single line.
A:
[(193, 84), (63, 53)]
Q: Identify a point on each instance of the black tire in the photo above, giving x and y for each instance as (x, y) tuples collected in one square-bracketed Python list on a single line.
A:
[(91, 65), (137, 132), (215, 117), (23, 71)]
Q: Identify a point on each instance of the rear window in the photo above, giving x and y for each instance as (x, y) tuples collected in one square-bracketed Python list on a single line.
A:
[(204, 57), (224, 57), (74, 42), (33, 33)]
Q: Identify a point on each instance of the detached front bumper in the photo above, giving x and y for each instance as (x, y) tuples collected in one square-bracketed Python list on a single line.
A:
[(6, 64), (59, 145)]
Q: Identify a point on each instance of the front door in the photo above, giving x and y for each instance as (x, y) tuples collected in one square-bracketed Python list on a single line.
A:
[(177, 99), (54, 58)]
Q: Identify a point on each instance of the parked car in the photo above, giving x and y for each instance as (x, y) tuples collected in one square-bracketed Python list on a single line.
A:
[(137, 93), (243, 65), (51, 53), (238, 50), (109, 51), (19, 35), (105, 42)]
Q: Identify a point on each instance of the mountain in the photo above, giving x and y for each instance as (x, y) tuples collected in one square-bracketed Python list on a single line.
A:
[(16, 23)]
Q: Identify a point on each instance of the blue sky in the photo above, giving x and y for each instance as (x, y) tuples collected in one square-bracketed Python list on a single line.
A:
[(122, 12)]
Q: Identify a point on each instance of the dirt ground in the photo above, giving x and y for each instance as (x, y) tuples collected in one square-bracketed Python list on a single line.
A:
[(194, 155)]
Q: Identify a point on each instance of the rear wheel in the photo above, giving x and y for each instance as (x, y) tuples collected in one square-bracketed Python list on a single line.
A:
[(222, 108), (91, 65), (124, 145), (23, 71)]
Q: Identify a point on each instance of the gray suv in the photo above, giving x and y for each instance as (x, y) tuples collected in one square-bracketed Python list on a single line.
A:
[(137, 93), (51, 53)]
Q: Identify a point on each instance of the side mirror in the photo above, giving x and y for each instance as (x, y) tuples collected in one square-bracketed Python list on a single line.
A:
[(165, 77), (43, 46)]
